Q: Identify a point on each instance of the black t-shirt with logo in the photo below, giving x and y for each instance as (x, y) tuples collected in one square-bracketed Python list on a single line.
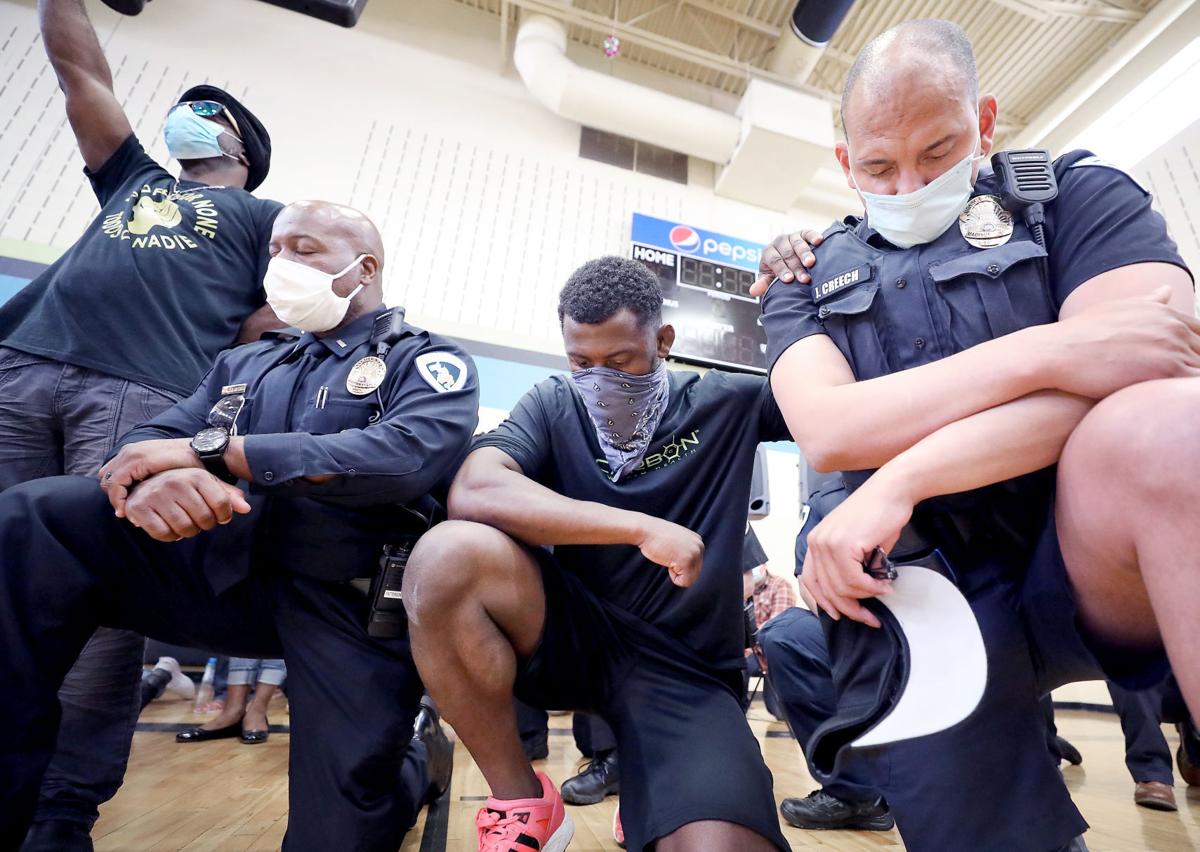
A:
[(158, 284), (696, 473)]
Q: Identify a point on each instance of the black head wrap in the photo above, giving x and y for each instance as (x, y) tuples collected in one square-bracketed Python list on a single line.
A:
[(254, 135)]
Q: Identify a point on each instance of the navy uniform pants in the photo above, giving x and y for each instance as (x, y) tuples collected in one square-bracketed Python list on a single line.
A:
[(798, 659), (68, 566), (1147, 755)]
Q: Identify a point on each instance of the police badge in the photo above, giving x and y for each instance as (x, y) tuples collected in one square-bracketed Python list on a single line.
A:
[(366, 375), (984, 223)]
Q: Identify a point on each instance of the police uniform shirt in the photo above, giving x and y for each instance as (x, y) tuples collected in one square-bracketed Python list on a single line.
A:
[(890, 309), (696, 473), (300, 420), (158, 284), (827, 494)]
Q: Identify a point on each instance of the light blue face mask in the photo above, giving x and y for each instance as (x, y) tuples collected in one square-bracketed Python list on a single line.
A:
[(190, 137), (920, 217)]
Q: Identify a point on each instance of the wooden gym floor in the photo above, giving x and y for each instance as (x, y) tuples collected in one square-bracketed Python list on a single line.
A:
[(227, 796)]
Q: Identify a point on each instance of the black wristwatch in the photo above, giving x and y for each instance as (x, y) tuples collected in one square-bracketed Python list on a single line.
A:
[(210, 445)]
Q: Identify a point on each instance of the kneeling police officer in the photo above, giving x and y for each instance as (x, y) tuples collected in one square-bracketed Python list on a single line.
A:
[(239, 520)]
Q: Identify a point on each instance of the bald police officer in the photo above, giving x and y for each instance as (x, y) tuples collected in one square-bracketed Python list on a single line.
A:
[(335, 442), (945, 349)]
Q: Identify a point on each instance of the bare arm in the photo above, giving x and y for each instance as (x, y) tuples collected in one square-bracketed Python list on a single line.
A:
[(95, 114), (491, 489), (258, 323), (1101, 344), (994, 445), (843, 424)]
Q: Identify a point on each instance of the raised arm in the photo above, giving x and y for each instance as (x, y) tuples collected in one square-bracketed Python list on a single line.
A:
[(841, 424), (491, 489), (95, 114)]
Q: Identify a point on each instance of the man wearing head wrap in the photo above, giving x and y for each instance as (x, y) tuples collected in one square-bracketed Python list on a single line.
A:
[(123, 324)]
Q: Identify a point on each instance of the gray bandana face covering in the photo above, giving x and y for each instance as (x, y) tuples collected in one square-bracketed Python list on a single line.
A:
[(625, 409)]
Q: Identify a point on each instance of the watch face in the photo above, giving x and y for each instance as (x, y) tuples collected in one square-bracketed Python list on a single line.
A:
[(208, 440)]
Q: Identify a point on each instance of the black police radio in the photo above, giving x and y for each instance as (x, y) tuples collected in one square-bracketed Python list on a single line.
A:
[(1027, 183), (385, 618), (387, 329)]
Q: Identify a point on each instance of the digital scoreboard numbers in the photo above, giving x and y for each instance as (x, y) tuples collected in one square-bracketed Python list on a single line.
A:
[(706, 279)]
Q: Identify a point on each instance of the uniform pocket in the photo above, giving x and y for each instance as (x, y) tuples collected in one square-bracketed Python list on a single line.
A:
[(993, 292), (337, 415), (852, 320)]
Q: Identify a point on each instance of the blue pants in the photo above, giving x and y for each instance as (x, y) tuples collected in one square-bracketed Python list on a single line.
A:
[(798, 661), (1147, 755), (55, 419), (68, 566), (247, 670), (593, 736)]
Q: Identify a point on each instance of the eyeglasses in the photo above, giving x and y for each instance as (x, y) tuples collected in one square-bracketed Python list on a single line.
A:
[(207, 109), (879, 566)]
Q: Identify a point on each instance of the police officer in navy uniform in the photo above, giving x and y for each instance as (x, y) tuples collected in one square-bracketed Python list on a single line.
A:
[(798, 660), (948, 351), (336, 441)]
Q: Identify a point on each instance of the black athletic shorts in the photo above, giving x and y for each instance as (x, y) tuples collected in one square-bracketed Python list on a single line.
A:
[(686, 752)]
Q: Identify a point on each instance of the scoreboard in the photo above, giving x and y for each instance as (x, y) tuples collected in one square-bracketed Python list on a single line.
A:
[(706, 279)]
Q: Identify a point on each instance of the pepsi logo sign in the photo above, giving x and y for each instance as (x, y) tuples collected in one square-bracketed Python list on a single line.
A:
[(684, 238)]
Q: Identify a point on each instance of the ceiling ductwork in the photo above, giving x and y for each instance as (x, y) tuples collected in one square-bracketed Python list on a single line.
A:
[(617, 106), (813, 24), (767, 152)]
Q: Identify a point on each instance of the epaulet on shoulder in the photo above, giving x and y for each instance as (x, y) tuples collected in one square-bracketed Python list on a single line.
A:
[(1082, 159), (1072, 158), (838, 227)]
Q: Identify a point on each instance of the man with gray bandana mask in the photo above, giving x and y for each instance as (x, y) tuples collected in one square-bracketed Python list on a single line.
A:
[(624, 468)]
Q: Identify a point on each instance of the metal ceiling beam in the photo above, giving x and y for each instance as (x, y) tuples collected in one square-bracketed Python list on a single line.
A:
[(1043, 11), (1091, 11), (677, 49), (744, 21)]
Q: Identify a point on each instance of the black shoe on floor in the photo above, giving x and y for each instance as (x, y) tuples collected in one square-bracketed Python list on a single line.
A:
[(597, 780), (536, 746), (1187, 756), (819, 810), (199, 735), (1068, 752), (439, 751), (253, 737), (57, 835)]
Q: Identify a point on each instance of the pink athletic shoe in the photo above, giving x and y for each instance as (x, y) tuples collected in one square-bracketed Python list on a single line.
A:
[(618, 829), (525, 825)]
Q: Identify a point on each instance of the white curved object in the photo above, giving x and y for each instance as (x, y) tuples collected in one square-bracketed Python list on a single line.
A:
[(947, 661), (617, 106)]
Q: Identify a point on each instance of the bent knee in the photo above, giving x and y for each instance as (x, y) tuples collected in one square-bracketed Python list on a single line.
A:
[(1143, 434), (447, 563), (54, 500)]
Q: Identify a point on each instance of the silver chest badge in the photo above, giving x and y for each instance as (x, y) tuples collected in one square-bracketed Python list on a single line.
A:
[(366, 375), (984, 223)]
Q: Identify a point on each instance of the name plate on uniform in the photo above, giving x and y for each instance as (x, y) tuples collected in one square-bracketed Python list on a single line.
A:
[(839, 282)]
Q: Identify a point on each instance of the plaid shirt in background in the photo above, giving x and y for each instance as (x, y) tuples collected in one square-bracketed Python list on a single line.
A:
[(772, 598)]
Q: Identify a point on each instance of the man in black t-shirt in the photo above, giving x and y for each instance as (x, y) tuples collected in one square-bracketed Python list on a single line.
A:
[(626, 469), (125, 323)]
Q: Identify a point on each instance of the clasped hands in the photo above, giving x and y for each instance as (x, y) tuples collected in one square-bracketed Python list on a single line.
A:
[(162, 488)]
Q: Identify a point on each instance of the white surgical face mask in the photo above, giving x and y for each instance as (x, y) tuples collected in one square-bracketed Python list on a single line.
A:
[(922, 216), (302, 296)]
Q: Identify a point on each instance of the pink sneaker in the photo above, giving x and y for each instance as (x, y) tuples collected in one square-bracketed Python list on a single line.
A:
[(525, 825), (618, 829)]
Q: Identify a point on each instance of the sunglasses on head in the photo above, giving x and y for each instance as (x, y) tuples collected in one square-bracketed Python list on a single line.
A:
[(207, 109)]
